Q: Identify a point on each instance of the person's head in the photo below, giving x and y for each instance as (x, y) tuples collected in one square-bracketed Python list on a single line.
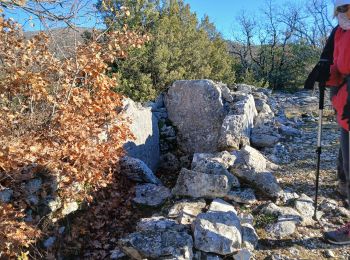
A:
[(342, 6)]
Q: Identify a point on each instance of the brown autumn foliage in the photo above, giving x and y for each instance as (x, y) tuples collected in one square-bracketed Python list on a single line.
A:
[(59, 115)]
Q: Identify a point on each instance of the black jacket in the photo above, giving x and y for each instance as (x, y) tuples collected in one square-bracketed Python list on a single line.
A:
[(327, 54)]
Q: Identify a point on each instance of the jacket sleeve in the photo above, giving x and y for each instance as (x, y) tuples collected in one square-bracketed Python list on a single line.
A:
[(335, 78)]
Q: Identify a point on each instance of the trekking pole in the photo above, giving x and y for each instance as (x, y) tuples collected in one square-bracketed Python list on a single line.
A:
[(346, 115), (322, 87)]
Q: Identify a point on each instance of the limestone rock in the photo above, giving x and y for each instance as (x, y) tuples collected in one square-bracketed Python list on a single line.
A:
[(237, 125), (158, 224), (251, 166), (166, 244), (198, 184), (304, 204), (215, 168), (249, 236), (185, 212), (264, 136), (287, 212), (224, 158), (245, 196), (137, 170), (195, 108), (144, 127), (151, 195), (218, 231), (243, 254), (283, 228)]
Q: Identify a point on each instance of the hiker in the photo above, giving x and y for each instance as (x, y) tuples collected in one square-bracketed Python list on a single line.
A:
[(339, 96)]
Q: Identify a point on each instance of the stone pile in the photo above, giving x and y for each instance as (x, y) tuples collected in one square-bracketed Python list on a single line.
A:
[(226, 147)]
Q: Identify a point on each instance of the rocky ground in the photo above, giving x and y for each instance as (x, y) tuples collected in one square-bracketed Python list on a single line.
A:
[(298, 175), (252, 200)]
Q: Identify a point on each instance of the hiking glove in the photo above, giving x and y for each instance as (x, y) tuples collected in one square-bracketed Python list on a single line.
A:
[(323, 68)]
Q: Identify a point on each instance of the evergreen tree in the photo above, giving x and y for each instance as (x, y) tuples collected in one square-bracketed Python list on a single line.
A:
[(180, 48)]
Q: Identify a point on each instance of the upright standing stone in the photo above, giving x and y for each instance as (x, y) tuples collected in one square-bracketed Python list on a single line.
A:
[(196, 108), (144, 127)]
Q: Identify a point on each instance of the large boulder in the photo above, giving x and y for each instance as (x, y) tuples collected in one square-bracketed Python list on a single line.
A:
[(198, 184), (218, 230), (195, 107), (144, 127)]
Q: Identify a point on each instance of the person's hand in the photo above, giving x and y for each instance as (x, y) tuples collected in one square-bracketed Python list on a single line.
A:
[(323, 69)]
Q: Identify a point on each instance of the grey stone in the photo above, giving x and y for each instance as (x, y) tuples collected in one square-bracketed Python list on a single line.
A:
[(287, 212), (33, 185), (144, 127), (251, 167), (264, 118), (70, 207), (198, 184), (289, 195), (6, 195), (304, 204), (218, 231), (234, 132), (158, 224), (283, 228), (280, 154), (48, 243), (215, 168), (137, 170), (264, 136), (168, 244), (243, 254), (151, 195), (226, 93), (237, 125), (185, 212), (250, 238), (245, 196), (245, 88), (225, 158), (116, 254), (196, 109), (289, 131), (250, 159), (219, 205)]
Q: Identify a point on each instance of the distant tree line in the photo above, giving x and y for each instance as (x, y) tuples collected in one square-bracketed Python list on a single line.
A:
[(278, 48), (275, 48)]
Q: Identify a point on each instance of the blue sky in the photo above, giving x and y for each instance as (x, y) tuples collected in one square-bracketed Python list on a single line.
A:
[(222, 12)]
